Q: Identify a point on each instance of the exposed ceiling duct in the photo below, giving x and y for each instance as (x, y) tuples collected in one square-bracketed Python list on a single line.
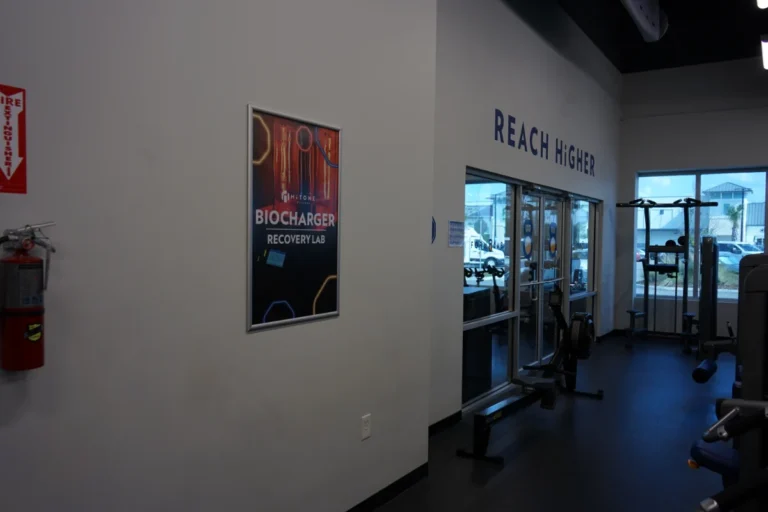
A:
[(698, 32), (649, 18)]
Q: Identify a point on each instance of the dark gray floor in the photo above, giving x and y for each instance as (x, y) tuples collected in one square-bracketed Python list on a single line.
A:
[(627, 453)]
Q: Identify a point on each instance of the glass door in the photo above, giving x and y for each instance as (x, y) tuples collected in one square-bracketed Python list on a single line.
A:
[(530, 314), (552, 276), (540, 272)]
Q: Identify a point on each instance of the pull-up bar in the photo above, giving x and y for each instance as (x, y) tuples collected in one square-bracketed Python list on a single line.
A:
[(688, 202), (684, 247)]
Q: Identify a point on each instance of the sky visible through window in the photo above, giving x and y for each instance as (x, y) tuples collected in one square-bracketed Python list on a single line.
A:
[(673, 187), (483, 192), (751, 180)]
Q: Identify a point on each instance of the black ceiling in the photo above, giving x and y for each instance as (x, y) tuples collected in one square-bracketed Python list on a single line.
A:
[(699, 32)]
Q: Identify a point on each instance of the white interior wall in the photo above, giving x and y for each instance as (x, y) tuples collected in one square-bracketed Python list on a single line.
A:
[(153, 398), (713, 116), (498, 55)]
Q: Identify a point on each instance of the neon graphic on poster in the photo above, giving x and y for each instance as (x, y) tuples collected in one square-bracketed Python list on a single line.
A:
[(293, 261)]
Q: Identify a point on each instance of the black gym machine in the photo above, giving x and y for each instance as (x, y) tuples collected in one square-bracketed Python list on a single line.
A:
[(710, 351), (544, 382), (710, 345), (652, 265), (742, 419), (576, 342)]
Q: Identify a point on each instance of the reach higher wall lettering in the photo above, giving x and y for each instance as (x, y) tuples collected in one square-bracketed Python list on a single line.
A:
[(506, 130)]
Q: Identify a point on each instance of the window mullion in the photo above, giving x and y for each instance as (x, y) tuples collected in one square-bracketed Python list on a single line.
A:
[(696, 238)]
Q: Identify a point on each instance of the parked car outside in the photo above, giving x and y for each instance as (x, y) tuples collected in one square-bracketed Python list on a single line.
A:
[(738, 249), (729, 262)]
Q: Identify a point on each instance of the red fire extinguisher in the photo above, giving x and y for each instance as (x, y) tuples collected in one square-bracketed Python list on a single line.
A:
[(24, 280)]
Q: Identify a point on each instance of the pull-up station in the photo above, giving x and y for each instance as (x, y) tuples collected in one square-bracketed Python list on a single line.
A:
[(680, 250)]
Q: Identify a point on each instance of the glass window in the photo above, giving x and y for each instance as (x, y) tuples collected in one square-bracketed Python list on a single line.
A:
[(666, 226), (489, 217), (738, 224), (487, 232), (581, 246), (486, 359)]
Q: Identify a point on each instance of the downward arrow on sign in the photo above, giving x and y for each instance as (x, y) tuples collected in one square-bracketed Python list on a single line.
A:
[(10, 108), (15, 161)]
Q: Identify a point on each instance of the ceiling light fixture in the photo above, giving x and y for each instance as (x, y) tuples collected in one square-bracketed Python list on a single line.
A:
[(763, 4), (765, 51)]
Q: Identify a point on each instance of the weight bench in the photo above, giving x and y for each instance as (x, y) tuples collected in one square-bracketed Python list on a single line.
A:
[(545, 386), (484, 419), (542, 383)]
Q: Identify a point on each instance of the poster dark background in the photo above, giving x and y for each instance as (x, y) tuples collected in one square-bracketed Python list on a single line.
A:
[(295, 169)]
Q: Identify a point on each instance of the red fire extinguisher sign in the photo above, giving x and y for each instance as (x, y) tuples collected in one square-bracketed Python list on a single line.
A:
[(13, 158)]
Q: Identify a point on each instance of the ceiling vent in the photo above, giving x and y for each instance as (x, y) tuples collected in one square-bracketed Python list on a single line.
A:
[(649, 18)]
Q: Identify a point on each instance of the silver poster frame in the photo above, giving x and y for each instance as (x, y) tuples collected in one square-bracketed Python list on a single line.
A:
[(250, 325)]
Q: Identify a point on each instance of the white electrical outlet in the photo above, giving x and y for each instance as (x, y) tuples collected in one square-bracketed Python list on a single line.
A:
[(366, 426)]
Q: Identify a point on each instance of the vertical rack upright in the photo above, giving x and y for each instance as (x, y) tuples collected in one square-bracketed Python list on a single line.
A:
[(683, 248)]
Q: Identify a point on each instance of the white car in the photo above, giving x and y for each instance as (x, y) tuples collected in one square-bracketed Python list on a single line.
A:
[(738, 249)]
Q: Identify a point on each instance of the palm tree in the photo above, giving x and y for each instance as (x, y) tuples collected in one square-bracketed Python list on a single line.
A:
[(734, 215), (581, 231)]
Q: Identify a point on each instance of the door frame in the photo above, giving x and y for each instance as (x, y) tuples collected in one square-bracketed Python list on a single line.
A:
[(513, 314), (539, 283)]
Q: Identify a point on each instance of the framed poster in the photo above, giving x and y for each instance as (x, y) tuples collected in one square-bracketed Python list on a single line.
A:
[(293, 220)]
